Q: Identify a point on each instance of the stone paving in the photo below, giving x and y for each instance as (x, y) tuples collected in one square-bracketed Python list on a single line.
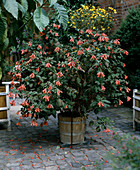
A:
[(27, 147)]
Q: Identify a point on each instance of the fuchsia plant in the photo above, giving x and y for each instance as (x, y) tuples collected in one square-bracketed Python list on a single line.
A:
[(86, 73)]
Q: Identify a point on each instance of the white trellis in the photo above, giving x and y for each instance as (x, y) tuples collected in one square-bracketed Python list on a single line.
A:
[(7, 107), (136, 108)]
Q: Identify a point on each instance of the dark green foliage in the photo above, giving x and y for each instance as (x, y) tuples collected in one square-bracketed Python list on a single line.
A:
[(129, 35)]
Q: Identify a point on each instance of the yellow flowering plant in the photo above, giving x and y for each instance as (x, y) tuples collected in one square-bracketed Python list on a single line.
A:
[(90, 17)]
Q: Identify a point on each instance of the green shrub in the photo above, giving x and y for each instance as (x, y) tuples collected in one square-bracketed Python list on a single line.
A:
[(129, 35)]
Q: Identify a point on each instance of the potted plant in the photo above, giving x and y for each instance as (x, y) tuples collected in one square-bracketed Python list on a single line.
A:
[(73, 79)]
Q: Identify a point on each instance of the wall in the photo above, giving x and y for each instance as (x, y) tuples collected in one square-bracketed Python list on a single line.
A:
[(121, 6)]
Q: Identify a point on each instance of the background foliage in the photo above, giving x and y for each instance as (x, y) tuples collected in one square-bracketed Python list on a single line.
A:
[(16, 15), (129, 35)]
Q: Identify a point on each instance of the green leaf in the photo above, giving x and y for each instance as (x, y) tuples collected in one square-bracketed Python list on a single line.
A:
[(12, 7), (3, 30), (6, 43), (62, 15), (21, 8), (52, 2), (24, 3), (41, 19)]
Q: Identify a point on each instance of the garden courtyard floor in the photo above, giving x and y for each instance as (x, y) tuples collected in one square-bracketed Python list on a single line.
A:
[(27, 147)]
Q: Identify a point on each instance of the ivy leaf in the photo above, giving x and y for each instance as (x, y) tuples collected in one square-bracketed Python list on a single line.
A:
[(41, 19), (12, 7)]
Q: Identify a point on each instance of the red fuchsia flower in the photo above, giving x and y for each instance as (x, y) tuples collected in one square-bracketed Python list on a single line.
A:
[(39, 82), (29, 61), (105, 39), (109, 48), (100, 39), (81, 32), (34, 123), (93, 58), (33, 56), (60, 74), (93, 40), (87, 49), (104, 35), (48, 92), (128, 98), (18, 124), (89, 31), (29, 44), (10, 94), (58, 92), (37, 110), (104, 56), (39, 46), (50, 31), (22, 87), (48, 65), (58, 26), (120, 102), (49, 106), (103, 88), (37, 69), (25, 103), (128, 90), (58, 83), (118, 82), (125, 77), (44, 91), (9, 73), (80, 52), (50, 87), (79, 42), (130, 151), (79, 68), (47, 98), (107, 130), (120, 89), (96, 35), (22, 52), (12, 82), (46, 38), (57, 49), (126, 52), (71, 40), (100, 74), (63, 65), (117, 41), (67, 54), (124, 65), (12, 103), (54, 25), (56, 34), (18, 75), (32, 75), (66, 106), (100, 104)]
